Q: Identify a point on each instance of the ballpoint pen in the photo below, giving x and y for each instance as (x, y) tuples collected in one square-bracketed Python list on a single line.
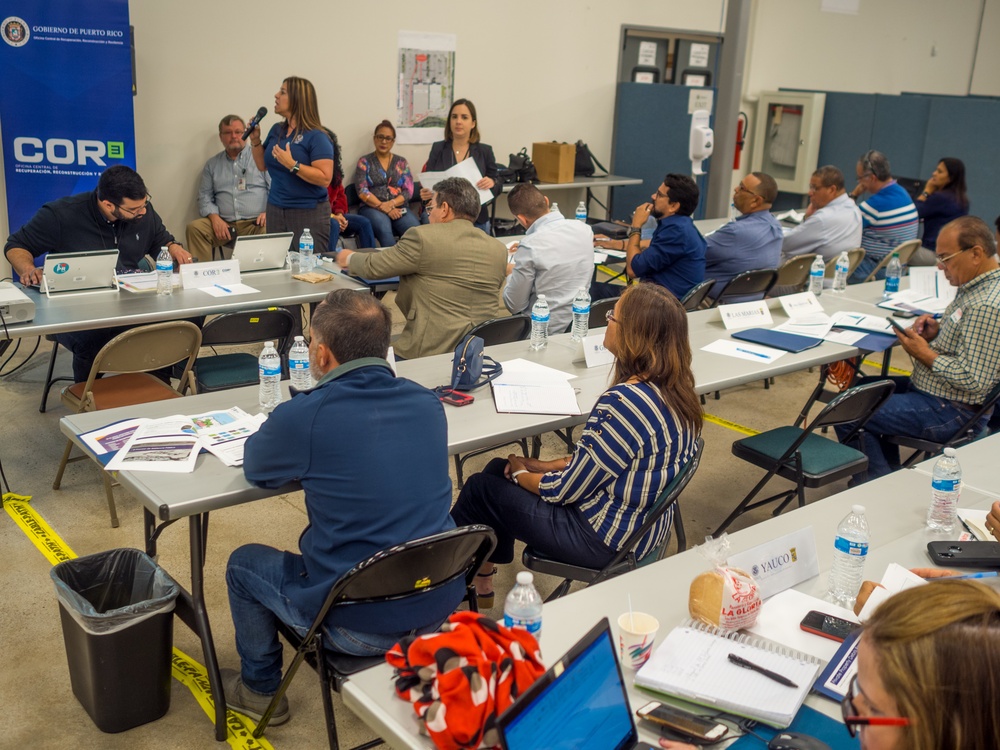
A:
[(967, 576), (739, 661), (756, 354), (227, 291)]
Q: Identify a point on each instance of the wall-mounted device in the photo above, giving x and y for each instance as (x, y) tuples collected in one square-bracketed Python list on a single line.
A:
[(701, 141)]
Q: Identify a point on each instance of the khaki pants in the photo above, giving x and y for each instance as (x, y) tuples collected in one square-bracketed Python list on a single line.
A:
[(201, 239)]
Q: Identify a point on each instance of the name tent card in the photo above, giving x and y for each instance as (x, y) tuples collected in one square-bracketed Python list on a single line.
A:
[(780, 563), (745, 315), (799, 305), (594, 351), (200, 275)]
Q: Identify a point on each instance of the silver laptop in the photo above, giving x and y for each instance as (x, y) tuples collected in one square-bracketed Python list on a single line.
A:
[(79, 272), (262, 252)]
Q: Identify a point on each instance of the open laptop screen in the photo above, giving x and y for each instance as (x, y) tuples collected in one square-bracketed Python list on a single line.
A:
[(580, 702)]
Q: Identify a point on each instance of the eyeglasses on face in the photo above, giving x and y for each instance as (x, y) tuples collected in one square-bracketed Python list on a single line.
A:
[(610, 316), (660, 194), (385, 138), (135, 211), (741, 188), (852, 720), (944, 259)]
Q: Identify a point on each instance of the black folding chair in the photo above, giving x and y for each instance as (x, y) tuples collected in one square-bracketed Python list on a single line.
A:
[(757, 282), (232, 370), (625, 560), (406, 571), (599, 311), (492, 332), (963, 435), (808, 459), (696, 295)]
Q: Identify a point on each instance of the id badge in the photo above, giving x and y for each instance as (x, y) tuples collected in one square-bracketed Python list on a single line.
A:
[(241, 183), (956, 316)]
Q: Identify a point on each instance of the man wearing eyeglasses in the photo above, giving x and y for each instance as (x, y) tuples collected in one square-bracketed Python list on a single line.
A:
[(232, 196), (956, 360), (832, 223), (752, 240), (889, 216), (119, 215)]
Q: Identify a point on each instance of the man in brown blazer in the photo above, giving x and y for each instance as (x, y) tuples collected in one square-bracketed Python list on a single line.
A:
[(450, 273)]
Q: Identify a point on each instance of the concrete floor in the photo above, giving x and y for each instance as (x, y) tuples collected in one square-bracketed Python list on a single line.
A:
[(40, 709)]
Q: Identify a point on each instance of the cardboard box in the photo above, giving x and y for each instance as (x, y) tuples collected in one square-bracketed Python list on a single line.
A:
[(553, 161)]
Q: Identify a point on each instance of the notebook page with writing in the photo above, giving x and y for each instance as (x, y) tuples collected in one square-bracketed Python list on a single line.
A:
[(692, 663)]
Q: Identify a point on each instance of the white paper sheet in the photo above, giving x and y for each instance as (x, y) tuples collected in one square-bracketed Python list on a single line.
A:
[(816, 325), (511, 398), (744, 350), (847, 338), (466, 168), (896, 579), (229, 290), (620, 254), (600, 257), (779, 618), (520, 371)]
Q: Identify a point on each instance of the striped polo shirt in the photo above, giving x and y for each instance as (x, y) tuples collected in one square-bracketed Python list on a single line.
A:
[(889, 218)]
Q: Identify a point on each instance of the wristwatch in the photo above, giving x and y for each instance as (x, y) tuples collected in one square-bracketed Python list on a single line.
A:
[(516, 474), (295, 168), (632, 231)]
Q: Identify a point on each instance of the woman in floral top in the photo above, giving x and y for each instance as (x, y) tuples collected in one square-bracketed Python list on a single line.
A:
[(385, 186)]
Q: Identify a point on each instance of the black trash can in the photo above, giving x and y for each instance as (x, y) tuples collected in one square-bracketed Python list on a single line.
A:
[(117, 610)]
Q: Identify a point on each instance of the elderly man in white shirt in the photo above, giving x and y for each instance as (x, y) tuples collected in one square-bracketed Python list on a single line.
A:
[(555, 258), (832, 223)]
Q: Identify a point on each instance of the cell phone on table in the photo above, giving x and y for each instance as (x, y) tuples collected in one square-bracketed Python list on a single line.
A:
[(685, 723), (896, 326), (455, 398), (827, 626), (965, 554)]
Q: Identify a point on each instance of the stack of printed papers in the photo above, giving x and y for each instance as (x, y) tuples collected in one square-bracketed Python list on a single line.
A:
[(526, 387)]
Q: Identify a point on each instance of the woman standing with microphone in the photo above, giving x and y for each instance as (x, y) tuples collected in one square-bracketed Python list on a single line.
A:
[(298, 155)]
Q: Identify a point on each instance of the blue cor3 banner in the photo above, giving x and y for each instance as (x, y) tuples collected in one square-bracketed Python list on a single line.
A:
[(66, 110)]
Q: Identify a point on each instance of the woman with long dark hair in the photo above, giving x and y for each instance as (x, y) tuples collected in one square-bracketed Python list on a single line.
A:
[(581, 508), (944, 198)]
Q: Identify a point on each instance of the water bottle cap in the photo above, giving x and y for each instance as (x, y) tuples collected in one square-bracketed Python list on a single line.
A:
[(950, 452), (541, 297), (858, 510), (300, 338), (268, 343), (525, 578)]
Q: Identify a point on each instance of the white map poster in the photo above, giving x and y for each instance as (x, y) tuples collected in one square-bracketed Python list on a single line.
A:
[(426, 85)]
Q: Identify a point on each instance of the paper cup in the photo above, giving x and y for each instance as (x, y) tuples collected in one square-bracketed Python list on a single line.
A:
[(636, 633)]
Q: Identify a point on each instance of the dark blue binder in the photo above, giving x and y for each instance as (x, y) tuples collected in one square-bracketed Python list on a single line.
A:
[(789, 342)]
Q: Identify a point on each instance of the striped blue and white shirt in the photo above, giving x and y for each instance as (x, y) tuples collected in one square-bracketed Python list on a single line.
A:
[(631, 448), (889, 218)]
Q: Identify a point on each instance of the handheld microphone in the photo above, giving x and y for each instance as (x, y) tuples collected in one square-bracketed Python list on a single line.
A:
[(254, 122)]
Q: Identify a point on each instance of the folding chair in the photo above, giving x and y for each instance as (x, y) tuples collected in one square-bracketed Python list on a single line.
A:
[(964, 434), (406, 571), (696, 295), (231, 370), (805, 458), (905, 250), (793, 274), (492, 332), (756, 282), (131, 356), (599, 311), (625, 560), (854, 258)]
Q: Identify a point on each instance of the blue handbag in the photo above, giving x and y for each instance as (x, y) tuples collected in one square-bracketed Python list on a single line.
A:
[(471, 368)]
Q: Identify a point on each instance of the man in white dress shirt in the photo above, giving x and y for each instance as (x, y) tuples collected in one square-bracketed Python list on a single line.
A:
[(832, 223), (556, 258)]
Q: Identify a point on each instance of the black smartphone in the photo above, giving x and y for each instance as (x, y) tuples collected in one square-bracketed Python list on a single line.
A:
[(455, 398), (828, 626), (895, 325), (683, 722), (965, 554)]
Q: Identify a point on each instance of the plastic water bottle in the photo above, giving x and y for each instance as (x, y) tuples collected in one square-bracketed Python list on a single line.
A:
[(581, 314), (945, 489), (306, 251), (581, 212), (816, 272), (298, 365), (892, 273), (554, 208), (840, 274), (523, 608), (849, 554), (540, 323), (269, 369), (164, 272)]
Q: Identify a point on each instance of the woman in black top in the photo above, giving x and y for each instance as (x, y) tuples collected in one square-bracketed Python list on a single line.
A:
[(945, 198), (461, 141)]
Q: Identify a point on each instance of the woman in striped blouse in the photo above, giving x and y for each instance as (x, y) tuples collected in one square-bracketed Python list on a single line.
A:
[(580, 509)]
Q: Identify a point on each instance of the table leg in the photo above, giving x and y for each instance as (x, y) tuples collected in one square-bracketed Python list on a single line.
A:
[(198, 532)]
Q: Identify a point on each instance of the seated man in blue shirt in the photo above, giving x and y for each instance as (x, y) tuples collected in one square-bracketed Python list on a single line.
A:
[(751, 241), (675, 258), (335, 440)]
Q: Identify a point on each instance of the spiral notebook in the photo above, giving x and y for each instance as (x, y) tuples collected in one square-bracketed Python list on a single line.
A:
[(693, 664)]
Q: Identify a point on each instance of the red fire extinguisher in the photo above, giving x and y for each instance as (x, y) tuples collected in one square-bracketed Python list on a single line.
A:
[(741, 128)]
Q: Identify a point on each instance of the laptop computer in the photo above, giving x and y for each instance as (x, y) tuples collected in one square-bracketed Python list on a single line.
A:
[(262, 252), (89, 271), (580, 702)]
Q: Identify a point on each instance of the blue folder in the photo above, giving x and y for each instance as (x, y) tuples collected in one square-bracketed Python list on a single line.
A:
[(788, 342)]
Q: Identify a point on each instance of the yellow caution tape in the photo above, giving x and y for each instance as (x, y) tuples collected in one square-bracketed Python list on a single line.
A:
[(186, 670), (612, 272), (894, 370), (730, 425)]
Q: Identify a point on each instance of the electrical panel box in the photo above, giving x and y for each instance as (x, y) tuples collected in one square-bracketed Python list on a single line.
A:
[(787, 137)]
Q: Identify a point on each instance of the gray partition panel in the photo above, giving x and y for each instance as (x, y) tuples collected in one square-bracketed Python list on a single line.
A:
[(848, 120), (900, 132)]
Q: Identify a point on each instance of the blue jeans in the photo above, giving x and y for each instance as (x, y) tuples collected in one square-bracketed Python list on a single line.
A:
[(357, 226), (386, 229), (559, 531), (865, 267), (255, 578), (911, 413)]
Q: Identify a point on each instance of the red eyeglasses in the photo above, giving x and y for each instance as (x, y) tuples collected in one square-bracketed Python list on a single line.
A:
[(852, 721)]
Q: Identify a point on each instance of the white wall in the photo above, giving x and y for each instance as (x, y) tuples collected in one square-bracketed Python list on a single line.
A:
[(536, 70)]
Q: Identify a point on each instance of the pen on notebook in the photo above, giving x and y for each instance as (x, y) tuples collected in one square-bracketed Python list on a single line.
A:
[(967, 528), (227, 291), (739, 661), (755, 354), (967, 576)]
